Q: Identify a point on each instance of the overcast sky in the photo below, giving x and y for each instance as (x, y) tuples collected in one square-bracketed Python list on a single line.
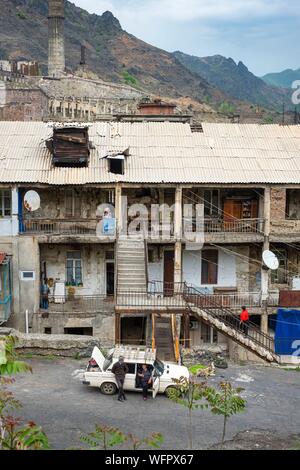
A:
[(264, 34)]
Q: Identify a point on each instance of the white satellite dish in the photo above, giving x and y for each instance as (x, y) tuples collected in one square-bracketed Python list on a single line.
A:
[(270, 260), (32, 201)]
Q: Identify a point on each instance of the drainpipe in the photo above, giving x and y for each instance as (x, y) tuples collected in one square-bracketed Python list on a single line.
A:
[(26, 322)]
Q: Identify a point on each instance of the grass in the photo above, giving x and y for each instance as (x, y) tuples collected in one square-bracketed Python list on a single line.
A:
[(194, 369), (297, 369), (48, 357)]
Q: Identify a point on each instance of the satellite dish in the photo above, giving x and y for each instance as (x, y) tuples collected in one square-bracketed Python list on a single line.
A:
[(32, 201), (270, 260)]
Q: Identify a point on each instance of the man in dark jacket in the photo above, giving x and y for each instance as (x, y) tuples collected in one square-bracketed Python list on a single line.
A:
[(120, 369)]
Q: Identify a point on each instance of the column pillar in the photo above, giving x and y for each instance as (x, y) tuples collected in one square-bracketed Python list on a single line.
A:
[(178, 235), (266, 245), (118, 207), (264, 323)]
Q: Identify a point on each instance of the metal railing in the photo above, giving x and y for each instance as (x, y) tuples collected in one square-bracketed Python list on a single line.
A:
[(78, 304), (158, 295), (196, 298), (218, 225), (59, 226)]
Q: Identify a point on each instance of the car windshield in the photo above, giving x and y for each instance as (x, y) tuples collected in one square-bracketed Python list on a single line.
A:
[(159, 366)]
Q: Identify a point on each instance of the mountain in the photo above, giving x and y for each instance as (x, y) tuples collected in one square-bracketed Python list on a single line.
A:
[(234, 79), (282, 79), (111, 52)]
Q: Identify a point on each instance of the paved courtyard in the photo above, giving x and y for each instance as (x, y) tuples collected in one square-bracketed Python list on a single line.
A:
[(54, 397)]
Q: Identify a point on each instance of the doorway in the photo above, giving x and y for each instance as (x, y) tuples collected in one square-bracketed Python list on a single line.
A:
[(110, 279), (169, 260), (133, 331)]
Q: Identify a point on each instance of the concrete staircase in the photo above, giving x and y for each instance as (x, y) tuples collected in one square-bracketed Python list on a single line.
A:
[(131, 265), (163, 339), (227, 323)]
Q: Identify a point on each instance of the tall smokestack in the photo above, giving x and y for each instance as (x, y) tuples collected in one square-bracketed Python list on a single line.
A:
[(56, 53)]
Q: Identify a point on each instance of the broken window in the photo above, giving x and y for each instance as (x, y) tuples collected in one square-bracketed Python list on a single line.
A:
[(5, 203), (73, 203), (293, 204), (209, 268), (74, 268)]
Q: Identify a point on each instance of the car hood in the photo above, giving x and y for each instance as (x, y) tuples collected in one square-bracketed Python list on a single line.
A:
[(175, 371)]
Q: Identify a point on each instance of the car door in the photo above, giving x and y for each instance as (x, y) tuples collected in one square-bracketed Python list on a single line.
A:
[(155, 386), (130, 377)]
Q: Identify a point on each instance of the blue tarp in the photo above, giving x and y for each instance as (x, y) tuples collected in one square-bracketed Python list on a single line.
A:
[(287, 334)]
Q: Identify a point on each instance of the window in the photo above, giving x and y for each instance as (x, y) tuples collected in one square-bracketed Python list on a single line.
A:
[(208, 334), (293, 204), (27, 275), (209, 269), (116, 165), (5, 203), (280, 275), (211, 203), (73, 203), (74, 268), (48, 331)]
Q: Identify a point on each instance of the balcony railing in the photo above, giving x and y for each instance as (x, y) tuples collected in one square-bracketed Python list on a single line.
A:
[(220, 226), (79, 304), (65, 227), (160, 294)]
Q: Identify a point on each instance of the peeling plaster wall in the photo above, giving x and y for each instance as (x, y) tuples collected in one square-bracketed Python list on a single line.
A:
[(53, 203), (93, 266), (227, 275)]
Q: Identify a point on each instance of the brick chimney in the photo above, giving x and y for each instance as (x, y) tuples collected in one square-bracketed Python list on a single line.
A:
[(56, 53)]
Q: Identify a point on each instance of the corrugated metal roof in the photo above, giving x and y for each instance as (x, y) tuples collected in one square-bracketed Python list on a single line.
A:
[(160, 152)]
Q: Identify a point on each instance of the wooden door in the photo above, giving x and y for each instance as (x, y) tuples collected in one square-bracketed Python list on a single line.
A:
[(232, 213), (169, 258)]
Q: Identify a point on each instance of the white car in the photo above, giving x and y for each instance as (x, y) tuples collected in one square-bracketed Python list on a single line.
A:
[(98, 373)]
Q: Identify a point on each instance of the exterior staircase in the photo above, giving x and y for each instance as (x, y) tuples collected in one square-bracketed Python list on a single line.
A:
[(164, 341), (228, 323), (131, 265)]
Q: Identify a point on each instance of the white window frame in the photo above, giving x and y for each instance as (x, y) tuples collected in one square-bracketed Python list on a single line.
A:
[(24, 278), (74, 265), (2, 205)]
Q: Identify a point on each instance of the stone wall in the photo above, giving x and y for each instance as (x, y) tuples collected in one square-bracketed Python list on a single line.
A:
[(23, 105)]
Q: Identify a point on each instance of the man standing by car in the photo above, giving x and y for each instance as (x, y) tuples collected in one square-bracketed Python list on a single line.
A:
[(120, 369)]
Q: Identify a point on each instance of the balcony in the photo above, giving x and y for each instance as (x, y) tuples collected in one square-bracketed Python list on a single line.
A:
[(78, 305), (220, 230), (52, 229)]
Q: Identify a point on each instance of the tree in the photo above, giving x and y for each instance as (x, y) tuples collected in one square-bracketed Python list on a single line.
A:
[(13, 434), (106, 437), (226, 402), (189, 394)]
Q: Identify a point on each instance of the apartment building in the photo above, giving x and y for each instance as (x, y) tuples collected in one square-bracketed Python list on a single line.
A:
[(201, 205)]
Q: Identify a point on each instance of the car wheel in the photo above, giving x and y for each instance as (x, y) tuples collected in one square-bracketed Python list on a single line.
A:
[(108, 388), (169, 390)]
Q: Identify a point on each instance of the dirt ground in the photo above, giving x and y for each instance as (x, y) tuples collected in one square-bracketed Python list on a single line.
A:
[(54, 397)]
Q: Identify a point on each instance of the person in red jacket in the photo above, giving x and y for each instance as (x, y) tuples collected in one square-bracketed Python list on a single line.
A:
[(244, 319)]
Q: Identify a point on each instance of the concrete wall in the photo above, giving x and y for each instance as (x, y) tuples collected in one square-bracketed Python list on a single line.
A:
[(227, 276), (103, 324)]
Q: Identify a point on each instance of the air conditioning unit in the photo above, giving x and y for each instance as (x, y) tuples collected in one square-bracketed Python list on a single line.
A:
[(194, 325)]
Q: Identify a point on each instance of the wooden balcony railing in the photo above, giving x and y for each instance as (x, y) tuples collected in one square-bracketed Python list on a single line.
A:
[(231, 226)]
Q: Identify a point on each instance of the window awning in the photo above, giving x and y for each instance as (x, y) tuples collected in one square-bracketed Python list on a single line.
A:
[(115, 157)]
